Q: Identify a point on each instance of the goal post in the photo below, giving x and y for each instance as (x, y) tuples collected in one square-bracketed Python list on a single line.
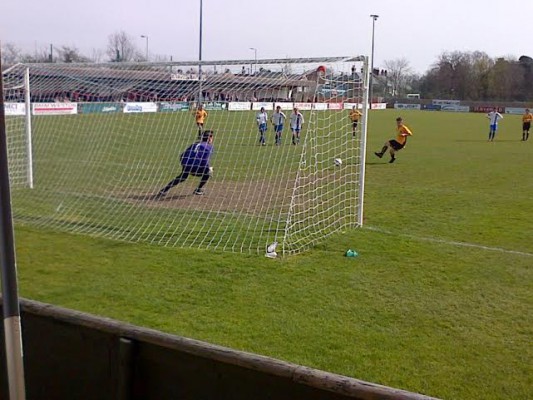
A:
[(27, 122), (17, 106), (364, 135), (98, 142)]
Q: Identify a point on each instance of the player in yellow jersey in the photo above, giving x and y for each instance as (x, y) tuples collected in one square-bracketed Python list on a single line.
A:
[(394, 145), (200, 116), (354, 117), (526, 124)]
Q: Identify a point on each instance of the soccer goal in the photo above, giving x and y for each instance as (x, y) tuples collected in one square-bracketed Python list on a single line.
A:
[(91, 146)]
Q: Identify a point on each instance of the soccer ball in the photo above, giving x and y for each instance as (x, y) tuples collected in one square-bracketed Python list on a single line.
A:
[(271, 250), (338, 162)]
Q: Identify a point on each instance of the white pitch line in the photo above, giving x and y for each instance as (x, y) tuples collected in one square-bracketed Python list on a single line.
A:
[(450, 242)]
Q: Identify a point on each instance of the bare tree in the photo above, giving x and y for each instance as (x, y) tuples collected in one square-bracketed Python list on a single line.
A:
[(412, 82), (121, 47), (41, 55), (477, 71), (526, 64), (11, 54), (476, 76), (449, 76), (161, 58), (398, 71), (96, 55), (71, 54), (506, 80)]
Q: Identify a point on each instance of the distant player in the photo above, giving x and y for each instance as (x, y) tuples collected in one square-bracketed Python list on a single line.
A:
[(354, 117), (262, 120), (297, 119), (402, 132), (494, 116), (526, 124), (278, 120), (195, 161), (200, 116)]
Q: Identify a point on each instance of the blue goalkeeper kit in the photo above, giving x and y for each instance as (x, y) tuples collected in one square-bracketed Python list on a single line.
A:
[(197, 155)]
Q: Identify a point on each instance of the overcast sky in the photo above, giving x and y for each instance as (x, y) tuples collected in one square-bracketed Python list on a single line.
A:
[(418, 30)]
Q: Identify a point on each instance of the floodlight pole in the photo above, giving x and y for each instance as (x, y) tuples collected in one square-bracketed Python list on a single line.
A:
[(10, 300), (374, 18), (146, 37), (200, 56), (255, 56)]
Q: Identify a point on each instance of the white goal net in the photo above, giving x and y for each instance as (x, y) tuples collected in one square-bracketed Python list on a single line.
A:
[(102, 140)]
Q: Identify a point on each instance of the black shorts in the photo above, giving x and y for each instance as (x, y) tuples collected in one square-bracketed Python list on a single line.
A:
[(395, 145), (526, 126), (195, 170), (354, 124)]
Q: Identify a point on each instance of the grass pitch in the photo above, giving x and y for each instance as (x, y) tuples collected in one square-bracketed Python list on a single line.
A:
[(439, 300)]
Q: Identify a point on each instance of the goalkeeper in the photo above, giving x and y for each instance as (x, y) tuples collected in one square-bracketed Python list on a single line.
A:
[(194, 161), (402, 132)]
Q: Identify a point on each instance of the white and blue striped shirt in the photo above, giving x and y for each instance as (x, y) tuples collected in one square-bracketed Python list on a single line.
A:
[(494, 116), (297, 119), (262, 118), (278, 118)]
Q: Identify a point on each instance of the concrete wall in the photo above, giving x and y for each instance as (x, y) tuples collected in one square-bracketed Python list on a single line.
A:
[(72, 355)]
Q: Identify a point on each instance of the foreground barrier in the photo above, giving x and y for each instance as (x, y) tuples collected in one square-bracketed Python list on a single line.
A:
[(73, 355)]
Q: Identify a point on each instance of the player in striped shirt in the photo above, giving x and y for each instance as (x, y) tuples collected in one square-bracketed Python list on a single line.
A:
[(278, 119), (402, 132), (262, 120), (526, 124), (494, 116), (297, 119)]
